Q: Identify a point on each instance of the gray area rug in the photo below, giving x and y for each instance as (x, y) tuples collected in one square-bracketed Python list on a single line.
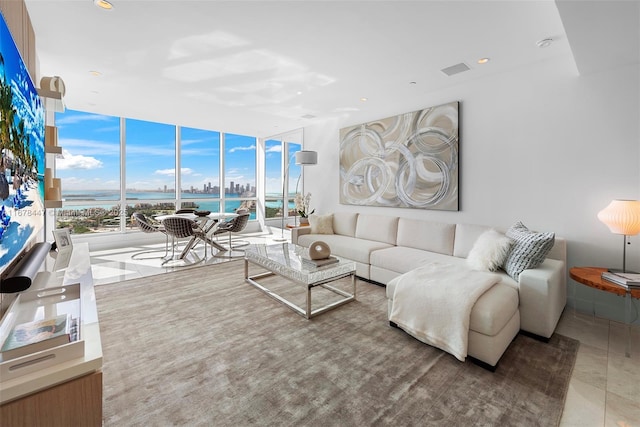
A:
[(202, 347)]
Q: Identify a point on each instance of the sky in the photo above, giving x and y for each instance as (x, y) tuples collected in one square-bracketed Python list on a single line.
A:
[(91, 153)]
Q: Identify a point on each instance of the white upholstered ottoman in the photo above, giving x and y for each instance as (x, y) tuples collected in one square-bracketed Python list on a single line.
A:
[(494, 322)]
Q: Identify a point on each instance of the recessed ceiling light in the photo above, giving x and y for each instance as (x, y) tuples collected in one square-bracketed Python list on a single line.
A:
[(483, 60), (299, 92), (544, 43), (103, 4), (413, 83), (363, 99), (95, 73)]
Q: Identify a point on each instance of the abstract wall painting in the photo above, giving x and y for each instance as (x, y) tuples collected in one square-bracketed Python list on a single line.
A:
[(405, 161)]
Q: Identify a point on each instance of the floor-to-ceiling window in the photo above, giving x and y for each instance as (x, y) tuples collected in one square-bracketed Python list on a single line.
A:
[(114, 166), (278, 165), (240, 172), (150, 176), (200, 169), (273, 178), (90, 172)]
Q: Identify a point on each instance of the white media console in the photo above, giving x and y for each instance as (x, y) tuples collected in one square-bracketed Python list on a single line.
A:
[(63, 384)]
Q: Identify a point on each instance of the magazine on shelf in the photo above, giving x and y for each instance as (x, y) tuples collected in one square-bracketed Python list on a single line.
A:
[(630, 277), (31, 337), (626, 280)]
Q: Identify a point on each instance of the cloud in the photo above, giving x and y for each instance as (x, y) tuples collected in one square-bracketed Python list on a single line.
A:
[(172, 172), (74, 119), (150, 150), (89, 147), (274, 149), (71, 161), (250, 147), (200, 152), (187, 142)]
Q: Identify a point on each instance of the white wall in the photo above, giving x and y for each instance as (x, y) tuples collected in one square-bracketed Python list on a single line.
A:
[(541, 145)]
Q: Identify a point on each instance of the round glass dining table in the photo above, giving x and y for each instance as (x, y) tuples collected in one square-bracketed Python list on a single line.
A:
[(208, 223)]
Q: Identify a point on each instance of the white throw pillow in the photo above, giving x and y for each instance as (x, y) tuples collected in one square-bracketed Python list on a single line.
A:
[(489, 251), (321, 224)]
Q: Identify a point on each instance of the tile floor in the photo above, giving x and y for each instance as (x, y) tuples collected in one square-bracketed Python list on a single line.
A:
[(605, 385)]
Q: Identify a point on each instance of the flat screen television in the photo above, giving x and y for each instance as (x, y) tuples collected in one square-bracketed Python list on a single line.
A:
[(22, 155)]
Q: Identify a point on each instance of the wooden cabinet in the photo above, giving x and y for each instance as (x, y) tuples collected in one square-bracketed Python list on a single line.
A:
[(74, 403)]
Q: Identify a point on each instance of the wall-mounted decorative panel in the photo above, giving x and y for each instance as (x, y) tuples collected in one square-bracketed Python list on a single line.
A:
[(17, 18), (405, 161)]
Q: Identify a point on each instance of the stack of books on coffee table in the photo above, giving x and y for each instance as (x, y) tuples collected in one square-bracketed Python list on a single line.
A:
[(626, 280)]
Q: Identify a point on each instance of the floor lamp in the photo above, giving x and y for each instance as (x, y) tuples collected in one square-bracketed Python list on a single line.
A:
[(622, 217), (303, 158)]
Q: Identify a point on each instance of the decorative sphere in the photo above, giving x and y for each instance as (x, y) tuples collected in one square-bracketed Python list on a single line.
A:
[(319, 250)]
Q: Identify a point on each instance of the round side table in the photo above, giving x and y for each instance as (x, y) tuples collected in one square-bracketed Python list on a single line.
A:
[(592, 277)]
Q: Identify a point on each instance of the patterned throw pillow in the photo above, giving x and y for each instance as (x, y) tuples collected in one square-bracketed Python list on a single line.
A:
[(528, 250), (321, 224), (489, 251)]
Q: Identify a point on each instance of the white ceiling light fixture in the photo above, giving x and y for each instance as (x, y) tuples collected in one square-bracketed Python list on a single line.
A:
[(544, 43), (483, 60), (363, 99), (103, 4)]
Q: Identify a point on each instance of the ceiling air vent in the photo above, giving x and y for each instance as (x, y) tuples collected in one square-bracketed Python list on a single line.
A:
[(455, 69)]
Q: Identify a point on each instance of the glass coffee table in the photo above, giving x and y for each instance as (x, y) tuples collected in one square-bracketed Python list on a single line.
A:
[(286, 260)]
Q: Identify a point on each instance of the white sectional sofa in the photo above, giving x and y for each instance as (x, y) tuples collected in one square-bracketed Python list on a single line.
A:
[(385, 247)]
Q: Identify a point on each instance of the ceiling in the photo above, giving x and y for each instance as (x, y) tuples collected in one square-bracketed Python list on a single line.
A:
[(265, 67)]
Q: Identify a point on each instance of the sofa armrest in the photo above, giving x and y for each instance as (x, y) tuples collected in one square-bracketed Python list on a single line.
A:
[(543, 296), (299, 231)]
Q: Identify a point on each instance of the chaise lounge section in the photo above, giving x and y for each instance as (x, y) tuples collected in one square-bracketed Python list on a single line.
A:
[(386, 247)]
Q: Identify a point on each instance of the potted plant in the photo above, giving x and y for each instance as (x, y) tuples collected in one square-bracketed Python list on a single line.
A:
[(302, 207)]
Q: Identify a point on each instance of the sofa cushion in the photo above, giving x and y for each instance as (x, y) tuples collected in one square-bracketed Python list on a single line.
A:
[(529, 249), (489, 251), (344, 223), (494, 309), (402, 259), (466, 236), (321, 224), (378, 228), (426, 235), (345, 246)]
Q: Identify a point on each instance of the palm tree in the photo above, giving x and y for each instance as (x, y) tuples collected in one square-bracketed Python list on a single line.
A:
[(7, 115)]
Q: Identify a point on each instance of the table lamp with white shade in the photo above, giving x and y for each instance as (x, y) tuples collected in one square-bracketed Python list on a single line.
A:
[(622, 217), (303, 158)]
